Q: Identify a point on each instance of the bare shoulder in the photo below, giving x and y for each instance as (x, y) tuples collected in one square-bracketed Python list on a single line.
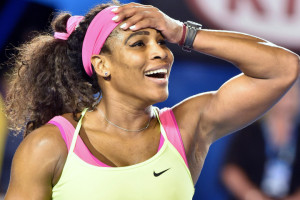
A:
[(46, 147), (45, 141), (37, 162)]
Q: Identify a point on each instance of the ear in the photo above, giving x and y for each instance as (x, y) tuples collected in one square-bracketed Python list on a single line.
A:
[(100, 65)]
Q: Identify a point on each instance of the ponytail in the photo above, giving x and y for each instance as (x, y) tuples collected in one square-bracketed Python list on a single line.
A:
[(48, 77)]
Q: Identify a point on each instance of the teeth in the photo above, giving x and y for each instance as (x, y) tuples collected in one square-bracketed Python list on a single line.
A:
[(164, 71)]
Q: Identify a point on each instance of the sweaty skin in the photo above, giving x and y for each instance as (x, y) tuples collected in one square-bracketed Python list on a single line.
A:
[(267, 73)]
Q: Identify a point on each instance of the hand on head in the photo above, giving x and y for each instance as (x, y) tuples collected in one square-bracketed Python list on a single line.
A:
[(137, 16)]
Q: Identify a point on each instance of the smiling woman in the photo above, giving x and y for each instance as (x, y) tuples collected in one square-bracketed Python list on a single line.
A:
[(85, 93)]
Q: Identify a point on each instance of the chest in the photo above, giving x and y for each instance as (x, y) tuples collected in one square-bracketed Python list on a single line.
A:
[(163, 176), (121, 151)]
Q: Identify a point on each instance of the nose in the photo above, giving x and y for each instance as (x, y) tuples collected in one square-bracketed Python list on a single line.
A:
[(158, 52)]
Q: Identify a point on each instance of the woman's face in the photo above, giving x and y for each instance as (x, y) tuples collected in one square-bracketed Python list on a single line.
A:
[(139, 65)]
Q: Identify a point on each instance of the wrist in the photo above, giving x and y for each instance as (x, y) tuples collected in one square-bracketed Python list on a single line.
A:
[(192, 29), (183, 35)]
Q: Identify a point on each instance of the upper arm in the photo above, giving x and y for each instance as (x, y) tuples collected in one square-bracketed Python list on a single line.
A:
[(237, 103), (34, 165)]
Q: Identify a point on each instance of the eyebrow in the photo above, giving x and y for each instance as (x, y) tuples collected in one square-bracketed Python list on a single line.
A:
[(137, 33)]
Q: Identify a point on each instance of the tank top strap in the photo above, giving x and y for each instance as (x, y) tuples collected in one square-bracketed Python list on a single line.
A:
[(77, 130), (169, 124), (163, 132)]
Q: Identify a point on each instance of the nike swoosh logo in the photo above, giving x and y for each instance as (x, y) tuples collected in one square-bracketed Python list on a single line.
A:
[(160, 173)]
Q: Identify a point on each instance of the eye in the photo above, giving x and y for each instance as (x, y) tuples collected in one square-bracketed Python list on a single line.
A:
[(162, 42), (139, 43)]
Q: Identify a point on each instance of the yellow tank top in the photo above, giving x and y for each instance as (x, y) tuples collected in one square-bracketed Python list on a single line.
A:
[(164, 176)]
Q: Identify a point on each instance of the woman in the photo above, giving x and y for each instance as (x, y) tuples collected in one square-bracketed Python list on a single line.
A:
[(123, 151)]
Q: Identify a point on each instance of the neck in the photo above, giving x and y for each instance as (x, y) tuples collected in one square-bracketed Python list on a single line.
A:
[(123, 114)]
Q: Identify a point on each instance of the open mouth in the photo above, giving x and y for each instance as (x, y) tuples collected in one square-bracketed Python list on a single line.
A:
[(159, 74)]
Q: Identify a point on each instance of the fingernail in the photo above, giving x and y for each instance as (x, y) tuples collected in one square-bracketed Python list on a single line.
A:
[(115, 17), (132, 27), (123, 25), (114, 9)]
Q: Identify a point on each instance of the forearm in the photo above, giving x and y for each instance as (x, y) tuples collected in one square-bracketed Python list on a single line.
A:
[(255, 57)]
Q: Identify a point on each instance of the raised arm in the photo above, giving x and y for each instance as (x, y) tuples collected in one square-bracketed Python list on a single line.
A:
[(268, 72), (36, 164)]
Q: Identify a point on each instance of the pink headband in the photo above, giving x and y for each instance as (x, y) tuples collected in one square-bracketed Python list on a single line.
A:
[(71, 26), (98, 31)]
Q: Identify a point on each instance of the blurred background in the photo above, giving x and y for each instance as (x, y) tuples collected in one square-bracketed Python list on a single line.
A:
[(192, 73)]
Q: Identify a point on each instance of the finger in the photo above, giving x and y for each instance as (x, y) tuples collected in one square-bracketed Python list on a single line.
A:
[(119, 9), (145, 23), (130, 22), (130, 10), (126, 13), (140, 16), (125, 6)]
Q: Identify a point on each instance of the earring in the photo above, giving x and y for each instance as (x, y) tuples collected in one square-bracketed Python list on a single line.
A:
[(105, 73)]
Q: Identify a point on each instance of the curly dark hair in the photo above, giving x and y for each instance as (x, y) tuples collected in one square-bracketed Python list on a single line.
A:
[(48, 77)]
